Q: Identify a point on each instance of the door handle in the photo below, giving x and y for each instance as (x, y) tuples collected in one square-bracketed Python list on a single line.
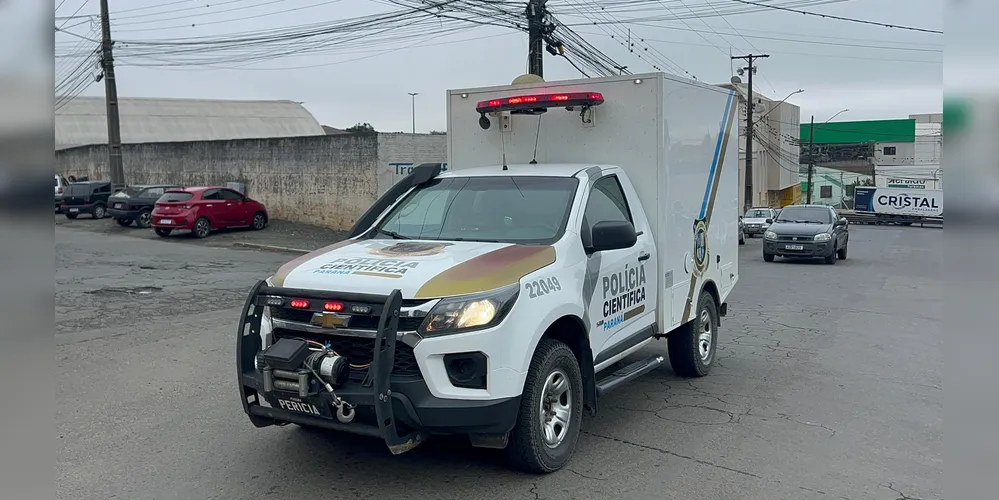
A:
[(643, 256)]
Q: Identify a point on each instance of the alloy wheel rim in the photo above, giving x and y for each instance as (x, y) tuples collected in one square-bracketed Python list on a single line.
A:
[(705, 336), (202, 228), (555, 408)]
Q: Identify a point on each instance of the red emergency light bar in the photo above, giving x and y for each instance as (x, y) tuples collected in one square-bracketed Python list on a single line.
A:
[(540, 101)]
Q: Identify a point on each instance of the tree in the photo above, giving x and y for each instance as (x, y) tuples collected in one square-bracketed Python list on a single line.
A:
[(361, 128), (437, 132)]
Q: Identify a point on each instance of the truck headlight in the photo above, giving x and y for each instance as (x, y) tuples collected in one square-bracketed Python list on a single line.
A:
[(770, 235), (470, 312), (822, 237)]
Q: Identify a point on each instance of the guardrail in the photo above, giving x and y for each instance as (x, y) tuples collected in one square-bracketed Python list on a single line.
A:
[(885, 219)]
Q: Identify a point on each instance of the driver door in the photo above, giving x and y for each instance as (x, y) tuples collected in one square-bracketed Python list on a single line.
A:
[(624, 292)]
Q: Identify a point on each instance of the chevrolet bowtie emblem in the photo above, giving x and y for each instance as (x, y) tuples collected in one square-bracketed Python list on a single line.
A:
[(794, 239), (330, 320)]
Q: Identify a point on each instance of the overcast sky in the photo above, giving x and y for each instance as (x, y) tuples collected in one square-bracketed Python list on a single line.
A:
[(875, 72)]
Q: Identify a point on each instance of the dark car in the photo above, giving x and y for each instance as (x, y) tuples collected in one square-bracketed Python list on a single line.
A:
[(807, 231), (136, 203), (89, 197), (204, 209)]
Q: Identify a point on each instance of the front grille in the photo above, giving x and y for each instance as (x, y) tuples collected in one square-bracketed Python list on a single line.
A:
[(359, 351), (789, 237), (358, 322)]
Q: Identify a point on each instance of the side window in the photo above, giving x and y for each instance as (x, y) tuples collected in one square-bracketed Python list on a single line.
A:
[(151, 192), (606, 203), (211, 194), (230, 195)]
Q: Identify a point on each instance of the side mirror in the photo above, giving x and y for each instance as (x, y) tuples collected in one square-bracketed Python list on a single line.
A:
[(770, 221), (612, 235), (842, 222)]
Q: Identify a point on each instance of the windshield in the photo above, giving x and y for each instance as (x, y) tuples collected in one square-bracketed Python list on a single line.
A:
[(814, 215), (758, 213), (499, 209)]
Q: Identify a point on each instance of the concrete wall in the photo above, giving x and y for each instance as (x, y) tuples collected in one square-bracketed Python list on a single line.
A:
[(324, 180)]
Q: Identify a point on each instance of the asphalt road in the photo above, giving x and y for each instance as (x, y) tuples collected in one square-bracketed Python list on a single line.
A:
[(828, 386)]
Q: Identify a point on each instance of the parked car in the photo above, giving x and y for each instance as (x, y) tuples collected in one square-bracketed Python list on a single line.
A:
[(60, 188), (758, 219), (742, 232), (202, 210), (807, 231), (135, 204), (88, 197)]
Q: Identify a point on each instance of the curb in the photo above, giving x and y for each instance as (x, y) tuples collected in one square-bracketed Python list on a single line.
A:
[(272, 248)]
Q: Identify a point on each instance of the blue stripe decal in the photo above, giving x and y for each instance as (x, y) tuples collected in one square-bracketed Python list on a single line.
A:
[(714, 161)]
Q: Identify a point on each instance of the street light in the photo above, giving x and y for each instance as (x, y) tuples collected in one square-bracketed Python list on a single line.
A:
[(776, 105), (413, 95)]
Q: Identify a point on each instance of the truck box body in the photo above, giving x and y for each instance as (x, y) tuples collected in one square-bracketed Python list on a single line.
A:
[(677, 141), (899, 201)]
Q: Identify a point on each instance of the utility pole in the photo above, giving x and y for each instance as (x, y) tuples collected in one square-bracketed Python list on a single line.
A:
[(111, 99), (536, 36), (750, 69), (811, 160), (413, 96)]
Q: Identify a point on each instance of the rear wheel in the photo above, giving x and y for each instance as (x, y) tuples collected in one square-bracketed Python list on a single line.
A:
[(692, 346), (98, 212), (202, 228), (551, 410), (163, 232), (124, 222), (71, 216)]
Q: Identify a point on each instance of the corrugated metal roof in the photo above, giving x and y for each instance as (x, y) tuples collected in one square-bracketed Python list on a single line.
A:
[(83, 121)]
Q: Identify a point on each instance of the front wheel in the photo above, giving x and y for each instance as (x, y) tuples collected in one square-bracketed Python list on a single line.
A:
[(145, 219), (551, 411), (259, 221), (841, 253), (692, 346), (768, 257)]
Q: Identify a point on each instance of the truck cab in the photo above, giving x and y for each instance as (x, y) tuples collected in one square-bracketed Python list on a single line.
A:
[(501, 299)]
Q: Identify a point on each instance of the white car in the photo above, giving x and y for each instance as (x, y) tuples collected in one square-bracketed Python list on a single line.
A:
[(757, 220)]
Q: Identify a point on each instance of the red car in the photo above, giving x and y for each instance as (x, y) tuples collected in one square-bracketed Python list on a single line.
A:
[(202, 210)]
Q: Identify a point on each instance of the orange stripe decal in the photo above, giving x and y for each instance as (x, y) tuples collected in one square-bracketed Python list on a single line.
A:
[(488, 271)]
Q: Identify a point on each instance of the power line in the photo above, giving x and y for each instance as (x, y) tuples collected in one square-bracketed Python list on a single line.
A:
[(77, 11), (830, 16)]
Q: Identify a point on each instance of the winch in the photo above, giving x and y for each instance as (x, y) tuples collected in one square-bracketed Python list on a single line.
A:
[(292, 364)]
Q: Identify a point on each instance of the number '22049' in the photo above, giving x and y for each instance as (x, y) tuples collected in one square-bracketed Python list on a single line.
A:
[(542, 287)]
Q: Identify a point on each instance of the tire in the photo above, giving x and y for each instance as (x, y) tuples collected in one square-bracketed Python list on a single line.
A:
[(259, 221), (99, 211), (124, 222), (692, 347), (841, 253), (163, 233), (202, 228), (145, 219), (831, 259), (528, 449), (72, 216), (768, 257)]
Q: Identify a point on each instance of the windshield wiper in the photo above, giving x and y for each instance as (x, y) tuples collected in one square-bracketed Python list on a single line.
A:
[(475, 239), (393, 235)]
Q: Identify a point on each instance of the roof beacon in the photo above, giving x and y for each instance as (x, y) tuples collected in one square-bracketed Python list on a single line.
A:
[(539, 103)]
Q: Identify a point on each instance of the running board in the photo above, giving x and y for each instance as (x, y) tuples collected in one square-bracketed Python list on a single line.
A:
[(628, 373)]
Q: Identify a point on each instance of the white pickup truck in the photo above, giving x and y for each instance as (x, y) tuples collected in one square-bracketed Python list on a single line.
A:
[(578, 221)]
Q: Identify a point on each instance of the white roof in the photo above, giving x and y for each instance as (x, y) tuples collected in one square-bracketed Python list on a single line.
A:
[(83, 121), (521, 170)]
